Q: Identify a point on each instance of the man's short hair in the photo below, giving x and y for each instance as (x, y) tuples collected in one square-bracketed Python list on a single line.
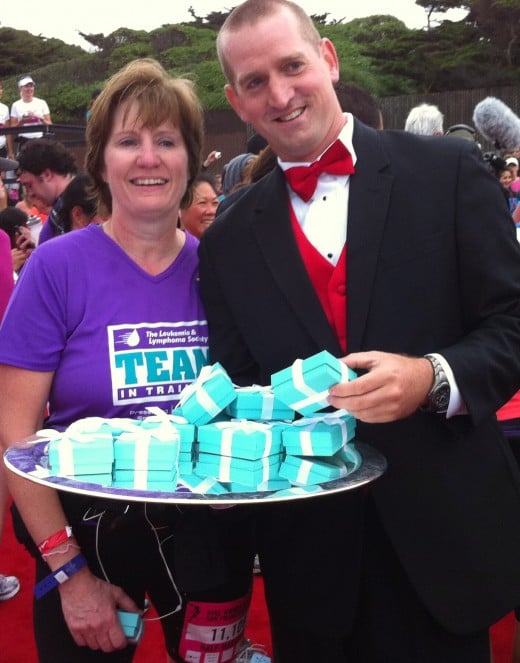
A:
[(44, 153), (252, 11)]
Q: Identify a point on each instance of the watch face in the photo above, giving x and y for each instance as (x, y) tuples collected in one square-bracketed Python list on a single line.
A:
[(441, 397)]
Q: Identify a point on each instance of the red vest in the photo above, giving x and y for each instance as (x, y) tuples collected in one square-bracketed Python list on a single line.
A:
[(329, 281)]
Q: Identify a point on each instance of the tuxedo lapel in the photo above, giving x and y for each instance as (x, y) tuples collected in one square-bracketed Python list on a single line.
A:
[(369, 197), (275, 237)]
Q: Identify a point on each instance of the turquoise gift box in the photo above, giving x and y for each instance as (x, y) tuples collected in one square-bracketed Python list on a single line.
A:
[(240, 439), (144, 451), (203, 485), (177, 424), (349, 455), (76, 454), (142, 480), (306, 471), (250, 473), (99, 479), (304, 385), (318, 436), (205, 398), (186, 462), (258, 403)]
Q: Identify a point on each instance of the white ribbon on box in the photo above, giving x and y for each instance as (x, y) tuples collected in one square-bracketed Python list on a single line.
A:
[(267, 398), (201, 395), (331, 419), (244, 426), (350, 455), (312, 397), (95, 425), (160, 415), (305, 469), (141, 452)]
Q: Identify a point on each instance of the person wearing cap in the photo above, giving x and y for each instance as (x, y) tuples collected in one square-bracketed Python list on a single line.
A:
[(6, 142), (29, 110), (512, 164)]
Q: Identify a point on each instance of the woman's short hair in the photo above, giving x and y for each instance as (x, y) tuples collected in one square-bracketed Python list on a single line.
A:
[(160, 98)]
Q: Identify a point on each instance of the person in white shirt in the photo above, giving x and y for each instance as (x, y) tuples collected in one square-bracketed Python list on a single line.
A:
[(6, 145), (29, 110)]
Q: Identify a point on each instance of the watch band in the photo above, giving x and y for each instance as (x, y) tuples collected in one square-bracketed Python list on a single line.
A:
[(59, 576), (439, 394)]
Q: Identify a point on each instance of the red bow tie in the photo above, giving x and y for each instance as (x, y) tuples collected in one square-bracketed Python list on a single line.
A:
[(337, 160)]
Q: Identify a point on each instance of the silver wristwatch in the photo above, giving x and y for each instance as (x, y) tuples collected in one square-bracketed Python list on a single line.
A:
[(438, 397)]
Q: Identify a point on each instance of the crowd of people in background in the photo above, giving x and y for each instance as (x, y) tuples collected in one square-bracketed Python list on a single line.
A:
[(55, 197)]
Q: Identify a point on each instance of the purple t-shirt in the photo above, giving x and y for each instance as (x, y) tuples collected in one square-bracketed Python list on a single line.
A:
[(117, 338)]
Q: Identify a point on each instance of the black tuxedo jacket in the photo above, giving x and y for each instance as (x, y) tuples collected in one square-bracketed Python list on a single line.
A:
[(433, 265)]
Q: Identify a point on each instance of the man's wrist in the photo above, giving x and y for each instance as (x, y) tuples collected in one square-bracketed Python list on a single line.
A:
[(438, 397)]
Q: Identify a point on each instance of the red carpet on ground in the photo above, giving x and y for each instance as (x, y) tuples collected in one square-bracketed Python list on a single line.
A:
[(17, 646)]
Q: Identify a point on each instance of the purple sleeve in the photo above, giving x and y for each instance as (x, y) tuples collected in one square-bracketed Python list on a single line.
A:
[(33, 331)]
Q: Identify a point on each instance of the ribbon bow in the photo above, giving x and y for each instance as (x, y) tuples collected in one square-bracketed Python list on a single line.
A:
[(337, 160)]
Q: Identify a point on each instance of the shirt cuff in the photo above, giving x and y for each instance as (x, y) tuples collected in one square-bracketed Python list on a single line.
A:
[(456, 405)]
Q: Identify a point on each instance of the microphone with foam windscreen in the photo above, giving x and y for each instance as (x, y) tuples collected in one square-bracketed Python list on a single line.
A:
[(497, 123)]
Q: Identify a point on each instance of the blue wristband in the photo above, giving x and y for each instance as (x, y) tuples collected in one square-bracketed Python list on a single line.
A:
[(59, 576)]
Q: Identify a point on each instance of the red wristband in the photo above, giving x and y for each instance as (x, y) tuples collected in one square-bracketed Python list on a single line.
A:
[(55, 539)]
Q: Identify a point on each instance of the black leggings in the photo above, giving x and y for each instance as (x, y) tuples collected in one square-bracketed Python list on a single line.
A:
[(204, 555)]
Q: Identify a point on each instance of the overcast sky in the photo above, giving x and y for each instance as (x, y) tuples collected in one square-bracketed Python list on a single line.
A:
[(64, 19)]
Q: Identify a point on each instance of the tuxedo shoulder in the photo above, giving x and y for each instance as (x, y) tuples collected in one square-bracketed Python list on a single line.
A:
[(398, 140)]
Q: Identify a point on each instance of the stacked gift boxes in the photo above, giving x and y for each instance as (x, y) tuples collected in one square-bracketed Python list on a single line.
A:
[(318, 449), (245, 454), (83, 456), (221, 438)]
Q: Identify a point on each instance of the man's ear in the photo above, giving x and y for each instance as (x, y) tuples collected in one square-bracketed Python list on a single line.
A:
[(234, 101), (46, 174), (331, 58)]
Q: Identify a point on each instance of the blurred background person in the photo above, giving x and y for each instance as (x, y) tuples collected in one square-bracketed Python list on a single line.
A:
[(37, 213), (513, 164), (28, 110), (45, 168), (78, 204), (425, 120), (197, 216), (14, 223), (233, 175), (6, 141), (358, 101)]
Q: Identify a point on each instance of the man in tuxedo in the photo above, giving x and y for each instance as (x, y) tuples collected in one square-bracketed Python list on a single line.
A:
[(381, 263)]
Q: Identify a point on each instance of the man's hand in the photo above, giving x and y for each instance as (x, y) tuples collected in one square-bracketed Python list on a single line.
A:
[(394, 387)]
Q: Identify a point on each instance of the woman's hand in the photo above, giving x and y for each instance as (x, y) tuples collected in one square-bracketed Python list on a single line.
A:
[(89, 606)]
